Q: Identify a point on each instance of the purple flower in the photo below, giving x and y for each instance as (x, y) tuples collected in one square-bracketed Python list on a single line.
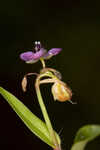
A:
[(39, 52)]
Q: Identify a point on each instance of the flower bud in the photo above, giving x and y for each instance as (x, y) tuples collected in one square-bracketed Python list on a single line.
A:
[(24, 84), (61, 92)]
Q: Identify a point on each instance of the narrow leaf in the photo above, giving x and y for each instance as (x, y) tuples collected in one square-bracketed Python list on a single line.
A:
[(84, 135), (37, 126)]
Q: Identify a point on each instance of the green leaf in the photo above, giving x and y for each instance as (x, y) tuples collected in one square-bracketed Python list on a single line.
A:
[(37, 126), (84, 135)]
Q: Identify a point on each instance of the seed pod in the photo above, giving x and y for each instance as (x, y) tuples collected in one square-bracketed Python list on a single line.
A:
[(24, 84), (61, 91)]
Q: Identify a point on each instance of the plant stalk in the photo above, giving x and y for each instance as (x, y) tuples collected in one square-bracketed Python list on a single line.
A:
[(45, 115)]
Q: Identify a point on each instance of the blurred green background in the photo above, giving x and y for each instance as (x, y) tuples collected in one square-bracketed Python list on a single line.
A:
[(72, 25)]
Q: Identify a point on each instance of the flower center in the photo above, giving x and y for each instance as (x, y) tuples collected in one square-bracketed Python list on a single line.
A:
[(37, 46)]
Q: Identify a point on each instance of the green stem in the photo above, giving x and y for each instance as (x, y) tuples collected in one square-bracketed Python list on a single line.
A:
[(45, 114), (43, 62)]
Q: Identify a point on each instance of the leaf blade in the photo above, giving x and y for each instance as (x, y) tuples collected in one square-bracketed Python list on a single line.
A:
[(37, 126), (84, 135)]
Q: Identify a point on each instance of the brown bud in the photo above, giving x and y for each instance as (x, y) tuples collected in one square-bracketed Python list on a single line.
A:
[(61, 91), (24, 84)]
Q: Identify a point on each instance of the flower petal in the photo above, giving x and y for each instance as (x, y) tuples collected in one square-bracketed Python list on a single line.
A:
[(30, 57), (27, 56), (52, 52), (32, 61)]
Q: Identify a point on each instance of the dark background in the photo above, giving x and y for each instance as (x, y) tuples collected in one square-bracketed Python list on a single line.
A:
[(72, 25)]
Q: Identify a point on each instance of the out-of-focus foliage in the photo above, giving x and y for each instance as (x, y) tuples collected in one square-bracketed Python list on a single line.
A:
[(84, 135)]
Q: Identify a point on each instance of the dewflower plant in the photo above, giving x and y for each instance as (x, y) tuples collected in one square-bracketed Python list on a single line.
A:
[(60, 91)]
